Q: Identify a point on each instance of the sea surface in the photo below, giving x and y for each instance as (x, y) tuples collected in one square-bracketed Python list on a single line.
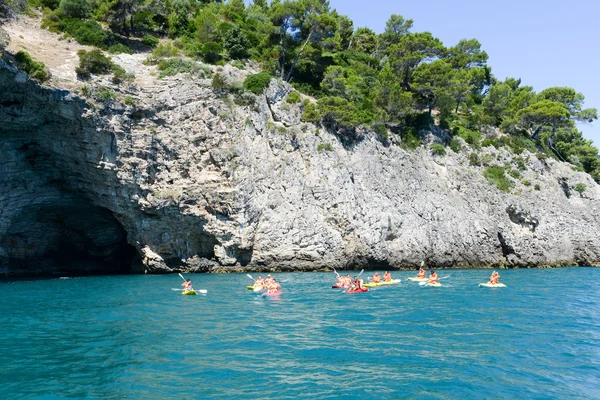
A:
[(133, 337)]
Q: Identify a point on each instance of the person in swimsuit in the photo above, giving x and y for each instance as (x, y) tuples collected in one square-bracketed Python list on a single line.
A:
[(376, 278), (494, 278), (421, 273), (387, 277), (260, 282), (187, 285), (433, 278)]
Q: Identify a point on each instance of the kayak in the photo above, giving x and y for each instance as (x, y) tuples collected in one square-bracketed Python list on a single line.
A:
[(392, 282), (339, 287), (255, 288), (435, 284), (417, 279), (492, 285), (267, 294), (362, 290), (189, 292)]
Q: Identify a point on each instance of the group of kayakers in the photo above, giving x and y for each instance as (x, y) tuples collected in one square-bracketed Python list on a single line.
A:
[(269, 283), (387, 277)]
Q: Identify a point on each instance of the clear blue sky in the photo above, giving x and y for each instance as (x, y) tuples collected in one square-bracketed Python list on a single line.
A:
[(544, 42)]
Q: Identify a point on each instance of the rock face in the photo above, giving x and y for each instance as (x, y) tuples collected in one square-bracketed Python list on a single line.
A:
[(188, 180)]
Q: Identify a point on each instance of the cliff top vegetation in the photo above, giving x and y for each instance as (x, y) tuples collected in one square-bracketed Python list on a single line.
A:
[(399, 81)]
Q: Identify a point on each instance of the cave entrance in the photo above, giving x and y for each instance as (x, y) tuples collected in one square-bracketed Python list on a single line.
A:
[(67, 236)]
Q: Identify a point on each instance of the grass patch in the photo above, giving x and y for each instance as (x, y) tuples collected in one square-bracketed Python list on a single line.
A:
[(496, 176), (324, 147), (438, 149)]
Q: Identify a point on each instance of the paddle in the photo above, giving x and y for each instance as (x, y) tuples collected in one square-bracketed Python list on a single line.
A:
[(250, 276), (336, 272)]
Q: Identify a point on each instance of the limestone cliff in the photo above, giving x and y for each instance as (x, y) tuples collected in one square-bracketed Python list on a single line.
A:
[(189, 180)]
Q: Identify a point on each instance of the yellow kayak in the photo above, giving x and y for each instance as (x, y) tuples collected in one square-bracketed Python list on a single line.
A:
[(189, 292), (417, 279), (392, 282), (255, 288)]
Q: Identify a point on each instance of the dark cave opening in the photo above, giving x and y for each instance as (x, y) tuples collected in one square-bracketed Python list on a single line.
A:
[(67, 236)]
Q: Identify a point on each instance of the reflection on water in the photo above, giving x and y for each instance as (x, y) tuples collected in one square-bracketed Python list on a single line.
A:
[(132, 337)]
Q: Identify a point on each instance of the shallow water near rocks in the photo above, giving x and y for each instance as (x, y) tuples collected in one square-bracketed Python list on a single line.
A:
[(130, 337)]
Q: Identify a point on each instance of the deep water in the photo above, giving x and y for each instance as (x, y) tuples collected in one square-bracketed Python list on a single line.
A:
[(132, 337)]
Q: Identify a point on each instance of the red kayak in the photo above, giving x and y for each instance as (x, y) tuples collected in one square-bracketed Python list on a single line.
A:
[(339, 287), (277, 293), (361, 290)]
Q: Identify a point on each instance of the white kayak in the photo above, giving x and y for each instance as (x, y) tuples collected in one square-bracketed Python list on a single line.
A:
[(492, 285), (417, 279)]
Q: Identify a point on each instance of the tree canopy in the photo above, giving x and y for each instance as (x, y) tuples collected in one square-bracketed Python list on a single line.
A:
[(398, 78)]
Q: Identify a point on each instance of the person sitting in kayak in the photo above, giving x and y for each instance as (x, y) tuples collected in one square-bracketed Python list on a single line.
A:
[(268, 280), (273, 287), (340, 281), (387, 277), (347, 280), (356, 284), (376, 278), (187, 285), (259, 282), (494, 278), (433, 278), (421, 273)]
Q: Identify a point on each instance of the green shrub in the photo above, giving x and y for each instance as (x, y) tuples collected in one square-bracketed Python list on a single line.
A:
[(410, 139), (257, 83), (211, 53), (174, 66), (119, 48), (515, 173), (495, 175), (455, 145), (438, 149), (526, 182), (105, 94), (218, 82), (521, 163), (518, 144), (472, 138), (580, 187), (293, 97), (537, 186), (79, 9), (88, 32), (121, 76), (324, 147), (150, 41), (93, 62), (129, 101), (310, 113), (487, 142), (474, 159), (86, 90), (35, 69), (165, 50)]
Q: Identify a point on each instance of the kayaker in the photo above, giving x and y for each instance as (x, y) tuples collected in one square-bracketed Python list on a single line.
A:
[(433, 278), (273, 287), (376, 278), (259, 282), (347, 280), (387, 277), (494, 278), (268, 280), (421, 273), (187, 285), (357, 283)]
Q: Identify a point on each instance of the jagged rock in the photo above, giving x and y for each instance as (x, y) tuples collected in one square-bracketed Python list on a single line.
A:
[(188, 181)]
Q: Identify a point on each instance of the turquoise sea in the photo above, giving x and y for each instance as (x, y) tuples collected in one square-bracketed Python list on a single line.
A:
[(132, 337)]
